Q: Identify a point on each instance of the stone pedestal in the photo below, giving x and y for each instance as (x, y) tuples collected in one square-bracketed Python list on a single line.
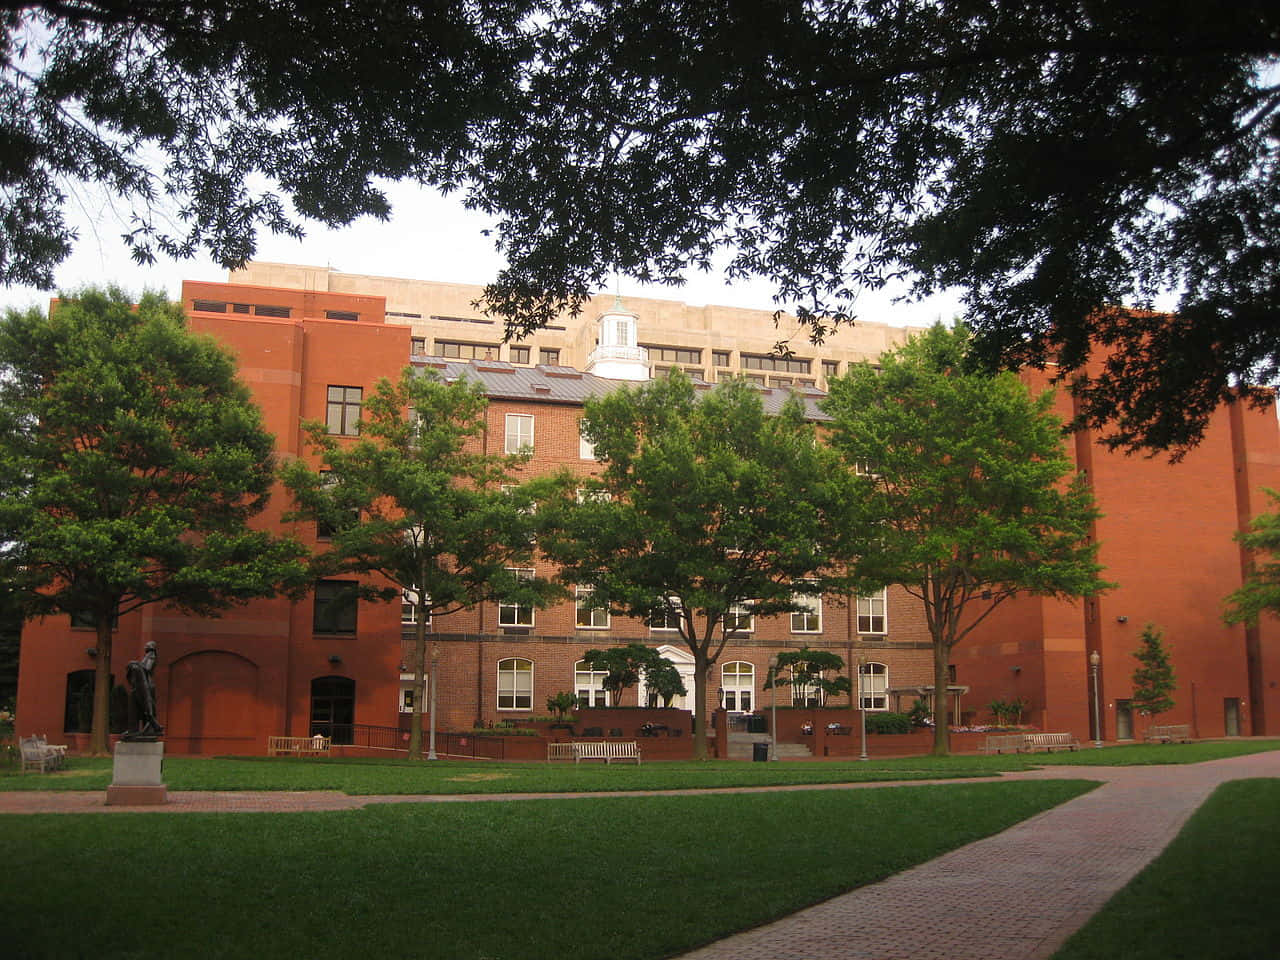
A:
[(136, 774)]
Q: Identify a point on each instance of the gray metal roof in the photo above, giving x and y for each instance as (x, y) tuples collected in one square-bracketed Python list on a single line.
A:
[(552, 384)]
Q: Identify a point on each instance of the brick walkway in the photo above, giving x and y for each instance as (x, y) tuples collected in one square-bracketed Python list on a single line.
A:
[(1058, 868)]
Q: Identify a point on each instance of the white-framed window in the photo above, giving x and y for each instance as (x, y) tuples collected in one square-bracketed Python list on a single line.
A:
[(592, 495), (668, 618), (738, 681), (588, 617), (805, 694), (871, 613), (866, 468), (875, 686), (586, 449), (409, 606), (588, 684), (515, 684), (407, 694), (739, 618), (809, 619), (519, 435), (515, 614)]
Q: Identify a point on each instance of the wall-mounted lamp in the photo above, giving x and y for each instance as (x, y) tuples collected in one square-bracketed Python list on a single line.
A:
[(1122, 619), (1016, 669), (335, 659), (404, 668), (91, 652)]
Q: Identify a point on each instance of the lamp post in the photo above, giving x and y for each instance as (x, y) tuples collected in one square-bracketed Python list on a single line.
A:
[(773, 725), (1094, 659), (862, 704), (431, 737)]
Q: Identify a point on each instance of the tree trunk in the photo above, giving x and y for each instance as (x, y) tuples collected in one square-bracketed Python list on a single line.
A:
[(100, 732), (941, 702), (700, 667)]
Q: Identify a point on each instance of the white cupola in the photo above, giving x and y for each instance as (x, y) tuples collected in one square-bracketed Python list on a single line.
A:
[(617, 356)]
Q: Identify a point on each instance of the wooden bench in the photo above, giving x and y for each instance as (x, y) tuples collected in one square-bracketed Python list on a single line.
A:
[(1049, 741), (561, 751), (298, 746), (1169, 732), (606, 750), (1004, 743)]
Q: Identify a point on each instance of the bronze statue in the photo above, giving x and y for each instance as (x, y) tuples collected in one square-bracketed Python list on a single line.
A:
[(142, 713)]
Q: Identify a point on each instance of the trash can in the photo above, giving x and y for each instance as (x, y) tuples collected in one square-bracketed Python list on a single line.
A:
[(756, 724), (760, 751)]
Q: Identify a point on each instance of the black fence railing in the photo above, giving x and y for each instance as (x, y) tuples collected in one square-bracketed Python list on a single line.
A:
[(393, 738)]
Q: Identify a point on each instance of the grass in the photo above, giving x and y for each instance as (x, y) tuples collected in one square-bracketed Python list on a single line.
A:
[(1212, 893), (619, 877), (404, 777)]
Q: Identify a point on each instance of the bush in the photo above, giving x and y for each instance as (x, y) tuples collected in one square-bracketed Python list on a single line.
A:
[(888, 723)]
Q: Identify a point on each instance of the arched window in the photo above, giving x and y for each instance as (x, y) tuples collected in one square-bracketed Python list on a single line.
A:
[(333, 708), (515, 684), (588, 684), (875, 686), (738, 680)]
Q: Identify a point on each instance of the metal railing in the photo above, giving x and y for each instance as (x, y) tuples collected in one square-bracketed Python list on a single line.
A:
[(393, 738)]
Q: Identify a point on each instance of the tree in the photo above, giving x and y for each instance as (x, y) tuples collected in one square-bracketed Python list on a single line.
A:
[(706, 513), (806, 673), (663, 682), (963, 491), (1153, 680), (1051, 160), (415, 503), (131, 465), (624, 667), (1260, 592)]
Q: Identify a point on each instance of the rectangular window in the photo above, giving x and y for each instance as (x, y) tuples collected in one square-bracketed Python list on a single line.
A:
[(667, 618), (519, 434), (808, 620), (328, 525), (349, 315), (660, 354), (417, 346), (209, 306), (343, 412), (830, 368), (589, 617), (516, 614), (270, 310), (875, 686), (515, 684), (719, 358), (551, 357), (334, 610), (586, 449), (519, 354), (240, 308), (871, 613), (409, 607), (461, 350), (756, 361), (739, 619)]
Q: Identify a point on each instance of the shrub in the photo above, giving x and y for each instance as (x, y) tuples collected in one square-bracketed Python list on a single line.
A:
[(888, 723)]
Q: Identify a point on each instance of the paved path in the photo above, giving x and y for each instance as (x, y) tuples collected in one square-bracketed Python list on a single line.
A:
[(1060, 866)]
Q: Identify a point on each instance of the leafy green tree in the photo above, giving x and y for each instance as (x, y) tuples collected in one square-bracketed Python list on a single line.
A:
[(706, 512), (963, 491), (1260, 592), (625, 666), (1153, 680), (131, 465), (561, 703), (416, 503), (805, 671), (1051, 160), (662, 680)]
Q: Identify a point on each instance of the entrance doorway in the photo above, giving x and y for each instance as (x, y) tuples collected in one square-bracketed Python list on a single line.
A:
[(1231, 716), (333, 708), (1124, 720)]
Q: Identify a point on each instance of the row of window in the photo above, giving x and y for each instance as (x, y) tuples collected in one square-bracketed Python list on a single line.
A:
[(335, 610), (472, 350), (737, 686)]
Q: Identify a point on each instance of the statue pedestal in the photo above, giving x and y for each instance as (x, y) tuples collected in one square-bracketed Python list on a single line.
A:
[(136, 775)]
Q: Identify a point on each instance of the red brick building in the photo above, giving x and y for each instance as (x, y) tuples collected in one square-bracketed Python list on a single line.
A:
[(227, 683)]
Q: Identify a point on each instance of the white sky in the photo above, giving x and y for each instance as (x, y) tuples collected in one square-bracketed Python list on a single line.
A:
[(429, 237)]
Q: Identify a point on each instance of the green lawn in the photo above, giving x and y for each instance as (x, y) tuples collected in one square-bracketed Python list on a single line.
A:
[(1212, 893), (619, 877), (403, 776)]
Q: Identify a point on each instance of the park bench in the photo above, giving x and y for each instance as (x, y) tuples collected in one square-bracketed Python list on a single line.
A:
[(1004, 743), (316, 746), (561, 751), (38, 755), (1169, 732), (607, 750), (1049, 741)]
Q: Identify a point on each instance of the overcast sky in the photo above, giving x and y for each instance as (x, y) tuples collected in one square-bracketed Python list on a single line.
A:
[(428, 238)]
